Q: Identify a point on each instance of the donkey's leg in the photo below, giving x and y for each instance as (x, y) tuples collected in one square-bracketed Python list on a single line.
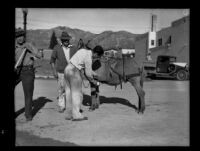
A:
[(97, 101), (97, 96), (93, 97), (136, 82)]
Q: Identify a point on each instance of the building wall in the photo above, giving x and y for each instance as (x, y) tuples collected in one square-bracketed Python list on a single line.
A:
[(163, 50), (179, 32), (141, 45), (180, 39), (152, 37), (164, 35)]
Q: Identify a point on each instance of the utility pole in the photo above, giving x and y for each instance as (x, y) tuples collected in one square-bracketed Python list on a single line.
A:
[(25, 12)]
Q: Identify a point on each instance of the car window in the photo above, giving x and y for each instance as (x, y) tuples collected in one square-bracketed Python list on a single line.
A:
[(172, 59)]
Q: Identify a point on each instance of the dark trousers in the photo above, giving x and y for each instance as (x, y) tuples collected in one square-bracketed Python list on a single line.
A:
[(27, 76)]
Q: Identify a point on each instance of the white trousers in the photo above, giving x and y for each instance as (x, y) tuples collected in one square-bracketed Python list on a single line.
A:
[(61, 90), (73, 90)]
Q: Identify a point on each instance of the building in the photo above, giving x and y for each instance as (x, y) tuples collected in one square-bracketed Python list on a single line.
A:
[(119, 53), (173, 40)]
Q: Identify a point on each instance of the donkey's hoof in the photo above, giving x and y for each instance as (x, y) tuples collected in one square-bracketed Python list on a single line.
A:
[(140, 111), (92, 108)]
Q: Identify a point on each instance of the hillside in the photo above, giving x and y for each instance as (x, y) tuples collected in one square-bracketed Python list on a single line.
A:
[(111, 39), (107, 39)]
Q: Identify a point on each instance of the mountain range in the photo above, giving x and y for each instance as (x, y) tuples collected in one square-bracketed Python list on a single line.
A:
[(108, 39)]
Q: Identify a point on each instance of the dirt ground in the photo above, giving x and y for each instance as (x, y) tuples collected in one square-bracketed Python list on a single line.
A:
[(165, 121)]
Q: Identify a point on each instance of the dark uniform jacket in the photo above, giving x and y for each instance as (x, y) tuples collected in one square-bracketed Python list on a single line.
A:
[(59, 59)]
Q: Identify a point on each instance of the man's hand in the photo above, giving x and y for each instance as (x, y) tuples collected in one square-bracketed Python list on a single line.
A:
[(94, 82), (95, 77)]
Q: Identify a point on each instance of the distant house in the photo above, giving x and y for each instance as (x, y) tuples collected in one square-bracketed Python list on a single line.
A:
[(173, 40), (128, 52), (119, 53)]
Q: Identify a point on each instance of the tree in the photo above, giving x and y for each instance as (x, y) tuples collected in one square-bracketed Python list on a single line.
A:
[(53, 41)]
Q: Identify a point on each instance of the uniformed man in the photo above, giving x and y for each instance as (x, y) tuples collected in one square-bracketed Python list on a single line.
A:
[(79, 63), (25, 54)]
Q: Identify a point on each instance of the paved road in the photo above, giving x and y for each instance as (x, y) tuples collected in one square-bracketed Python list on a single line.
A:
[(164, 123)]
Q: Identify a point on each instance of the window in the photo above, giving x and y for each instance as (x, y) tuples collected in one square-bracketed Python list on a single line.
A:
[(172, 59), (152, 42), (170, 40), (160, 42)]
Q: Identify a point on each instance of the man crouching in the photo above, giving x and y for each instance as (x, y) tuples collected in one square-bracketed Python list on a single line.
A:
[(80, 62)]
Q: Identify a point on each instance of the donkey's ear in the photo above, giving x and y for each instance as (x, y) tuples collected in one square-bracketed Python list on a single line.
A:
[(96, 65)]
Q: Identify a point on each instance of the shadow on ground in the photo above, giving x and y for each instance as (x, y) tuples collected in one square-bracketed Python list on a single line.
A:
[(37, 105), (162, 78), (26, 139), (113, 100)]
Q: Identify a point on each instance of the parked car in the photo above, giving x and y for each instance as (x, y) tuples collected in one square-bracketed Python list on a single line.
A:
[(166, 66)]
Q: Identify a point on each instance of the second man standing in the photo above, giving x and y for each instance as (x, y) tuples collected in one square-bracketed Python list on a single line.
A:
[(61, 54)]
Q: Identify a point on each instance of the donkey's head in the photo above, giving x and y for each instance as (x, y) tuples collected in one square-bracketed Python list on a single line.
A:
[(101, 67)]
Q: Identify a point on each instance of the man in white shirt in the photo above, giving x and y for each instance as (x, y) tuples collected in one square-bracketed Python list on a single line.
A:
[(59, 60), (80, 62)]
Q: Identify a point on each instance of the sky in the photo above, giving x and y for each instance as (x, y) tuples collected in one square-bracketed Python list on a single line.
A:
[(97, 20)]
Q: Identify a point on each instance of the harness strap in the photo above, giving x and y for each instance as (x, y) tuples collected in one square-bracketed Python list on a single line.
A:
[(125, 77), (120, 78)]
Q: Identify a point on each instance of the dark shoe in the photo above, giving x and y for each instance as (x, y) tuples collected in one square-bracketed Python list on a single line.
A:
[(61, 110), (80, 119)]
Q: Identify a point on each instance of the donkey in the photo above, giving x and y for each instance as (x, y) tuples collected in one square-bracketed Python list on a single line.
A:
[(115, 70)]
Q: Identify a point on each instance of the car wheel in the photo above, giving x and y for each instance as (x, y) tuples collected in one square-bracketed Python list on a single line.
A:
[(181, 75)]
